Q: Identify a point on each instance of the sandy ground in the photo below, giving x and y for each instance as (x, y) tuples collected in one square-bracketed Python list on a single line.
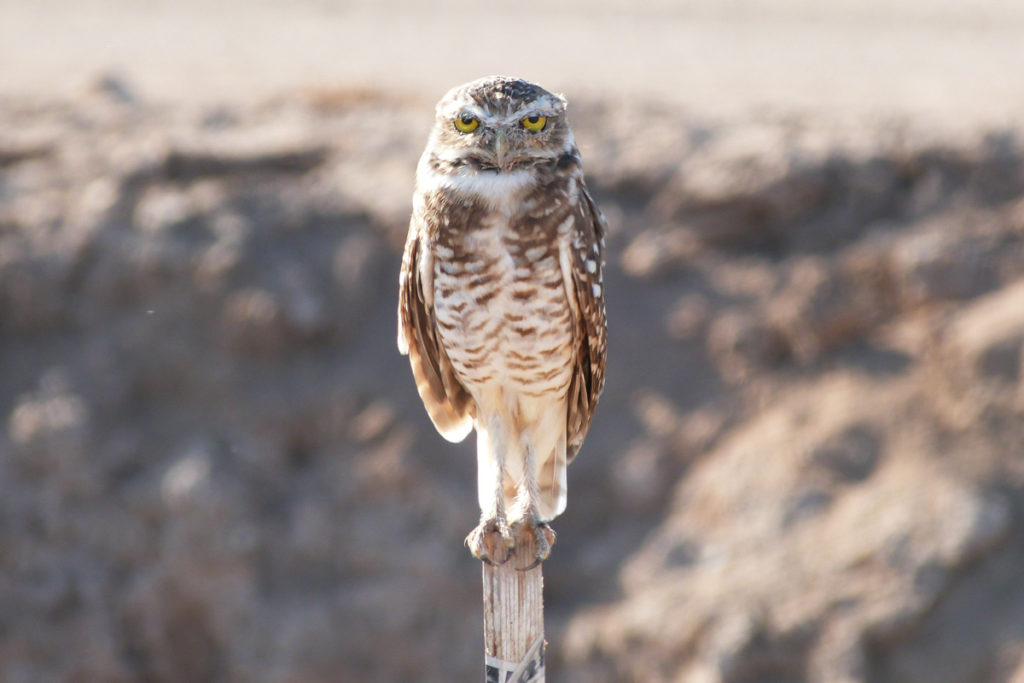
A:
[(949, 61)]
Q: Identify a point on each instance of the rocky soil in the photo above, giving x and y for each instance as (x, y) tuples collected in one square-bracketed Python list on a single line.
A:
[(808, 464)]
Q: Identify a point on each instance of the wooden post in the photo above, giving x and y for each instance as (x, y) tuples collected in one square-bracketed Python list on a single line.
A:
[(514, 621)]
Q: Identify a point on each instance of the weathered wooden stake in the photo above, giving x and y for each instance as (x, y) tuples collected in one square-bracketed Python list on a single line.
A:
[(514, 617), (513, 624)]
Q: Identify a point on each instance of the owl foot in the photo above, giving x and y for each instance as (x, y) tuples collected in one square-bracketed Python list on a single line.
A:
[(491, 541), (533, 543)]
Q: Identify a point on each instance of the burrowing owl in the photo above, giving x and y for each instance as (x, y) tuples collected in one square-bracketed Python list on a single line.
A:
[(501, 304)]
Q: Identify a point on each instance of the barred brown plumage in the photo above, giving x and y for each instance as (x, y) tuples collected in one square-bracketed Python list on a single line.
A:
[(501, 303)]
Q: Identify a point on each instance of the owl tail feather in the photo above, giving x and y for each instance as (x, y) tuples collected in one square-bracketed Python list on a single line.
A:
[(552, 483)]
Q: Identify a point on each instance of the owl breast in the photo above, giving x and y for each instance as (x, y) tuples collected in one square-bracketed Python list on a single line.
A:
[(501, 309)]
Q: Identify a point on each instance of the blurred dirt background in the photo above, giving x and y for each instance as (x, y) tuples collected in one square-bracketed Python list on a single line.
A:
[(808, 463)]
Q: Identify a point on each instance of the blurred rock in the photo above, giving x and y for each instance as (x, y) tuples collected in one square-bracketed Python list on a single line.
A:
[(689, 317), (740, 344), (940, 264), (254, 323), (640, 477), (986, 338), (850, 455), (114, 87), (657, 253), (818, 310), (51, 434)]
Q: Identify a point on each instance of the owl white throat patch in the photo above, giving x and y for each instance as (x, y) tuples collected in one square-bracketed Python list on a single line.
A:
[(495, 188)]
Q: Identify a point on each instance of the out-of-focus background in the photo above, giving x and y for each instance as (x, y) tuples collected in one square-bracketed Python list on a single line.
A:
[(808, 463)]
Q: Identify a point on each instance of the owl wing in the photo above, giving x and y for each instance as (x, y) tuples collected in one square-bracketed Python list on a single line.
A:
[(582, 271), (449, 405)]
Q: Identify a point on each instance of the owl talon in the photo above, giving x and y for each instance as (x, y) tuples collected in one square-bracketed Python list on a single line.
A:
[(491, 541), (533, 543)]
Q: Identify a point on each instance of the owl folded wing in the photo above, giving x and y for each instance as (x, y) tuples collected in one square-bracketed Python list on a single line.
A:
[(586, 296), (447, 402)]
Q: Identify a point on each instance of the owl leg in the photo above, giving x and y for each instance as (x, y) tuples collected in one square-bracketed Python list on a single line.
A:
[(492, 540), (533, 537)]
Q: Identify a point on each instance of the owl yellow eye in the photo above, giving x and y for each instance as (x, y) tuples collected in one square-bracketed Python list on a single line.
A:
[(534, 123), (466, 123)]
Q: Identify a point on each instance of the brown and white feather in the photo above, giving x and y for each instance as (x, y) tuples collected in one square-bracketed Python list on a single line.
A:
[(501, 305)]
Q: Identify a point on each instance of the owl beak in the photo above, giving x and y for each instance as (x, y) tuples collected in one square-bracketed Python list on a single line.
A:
[(501, 150)]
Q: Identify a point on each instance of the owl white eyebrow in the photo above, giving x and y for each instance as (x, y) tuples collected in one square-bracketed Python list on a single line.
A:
[(478, 114), (530, 111)]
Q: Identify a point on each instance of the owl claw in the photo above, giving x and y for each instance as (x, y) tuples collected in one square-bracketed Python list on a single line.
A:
[(491, 541), (533, 543)]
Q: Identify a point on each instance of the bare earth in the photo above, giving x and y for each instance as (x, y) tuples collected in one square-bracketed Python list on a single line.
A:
[(808, 461)]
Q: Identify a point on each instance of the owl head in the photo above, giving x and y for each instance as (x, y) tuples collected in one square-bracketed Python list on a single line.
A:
[(498, 125)]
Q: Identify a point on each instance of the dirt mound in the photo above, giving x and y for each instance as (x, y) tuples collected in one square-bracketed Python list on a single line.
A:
[(806, 465)]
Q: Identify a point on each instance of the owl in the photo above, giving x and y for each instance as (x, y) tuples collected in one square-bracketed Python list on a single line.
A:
[(501, 302)]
